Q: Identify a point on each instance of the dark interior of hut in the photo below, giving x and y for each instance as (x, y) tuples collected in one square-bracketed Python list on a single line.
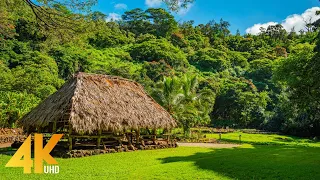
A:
[(103, 141)]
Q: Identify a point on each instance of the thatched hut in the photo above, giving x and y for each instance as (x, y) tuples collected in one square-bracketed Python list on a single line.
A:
[(90, 104)]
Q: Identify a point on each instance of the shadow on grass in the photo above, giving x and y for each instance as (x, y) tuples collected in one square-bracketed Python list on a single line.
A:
[(258, 162), (7, 150)]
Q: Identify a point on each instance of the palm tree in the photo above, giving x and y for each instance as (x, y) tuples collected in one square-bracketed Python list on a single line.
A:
[(196, 106), (168, 94), (181, 99), (189, 87)]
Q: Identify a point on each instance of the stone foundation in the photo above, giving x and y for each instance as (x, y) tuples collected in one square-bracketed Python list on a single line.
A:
[(10, 139), (123, 148)]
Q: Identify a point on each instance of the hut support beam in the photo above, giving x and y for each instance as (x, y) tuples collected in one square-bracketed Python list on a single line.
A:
[(39, 129), (129, 139), (70, 137), (99, 139), (138, 136), (54, 127), (154, 137), (28, 131)]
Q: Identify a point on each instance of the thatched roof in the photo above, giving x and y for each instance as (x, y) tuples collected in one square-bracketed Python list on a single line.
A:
[(100, 102)]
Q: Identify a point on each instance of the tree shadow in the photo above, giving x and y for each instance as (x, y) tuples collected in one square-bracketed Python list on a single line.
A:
[(7, 150), (258, 162)]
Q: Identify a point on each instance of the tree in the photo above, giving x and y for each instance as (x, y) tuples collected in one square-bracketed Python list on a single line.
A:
[(159, 49), (238, 104), (98, 16), (14, 105), (184, 101), (196, 104), (266, 81), (157, 70), (163, 23), (156, 21), (276, 32), (43, 13), (175, 5), (108, 34), (136, 22), (168, 94), (215, 30), (211, 60), (298, 73), (260, 73), (7, 30)]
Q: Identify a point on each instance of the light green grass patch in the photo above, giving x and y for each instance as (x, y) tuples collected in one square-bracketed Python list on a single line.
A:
[(261, 139)]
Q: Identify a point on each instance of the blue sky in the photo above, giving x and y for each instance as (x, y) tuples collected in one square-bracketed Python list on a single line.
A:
[(242, 14)]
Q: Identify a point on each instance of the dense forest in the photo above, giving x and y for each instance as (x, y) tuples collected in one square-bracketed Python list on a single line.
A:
[(202, 74)]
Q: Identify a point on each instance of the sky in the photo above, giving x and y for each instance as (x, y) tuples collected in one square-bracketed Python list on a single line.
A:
[(246, 15)]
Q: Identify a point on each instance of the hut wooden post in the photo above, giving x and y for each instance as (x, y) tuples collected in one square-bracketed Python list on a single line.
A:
[(69, 137), (99, 138), (138, 136), (168, 137), (54, 127), (154, 137), (28, 131), (38, 129), (129, 139)]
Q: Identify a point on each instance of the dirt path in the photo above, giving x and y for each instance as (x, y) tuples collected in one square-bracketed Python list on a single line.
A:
[(211, 145)]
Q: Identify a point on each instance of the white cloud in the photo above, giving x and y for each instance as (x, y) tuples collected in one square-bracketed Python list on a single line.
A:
[(121, 6), (153, 3), (184, 10), (296, 20), (113, 17), (255, 29), (157, 3)]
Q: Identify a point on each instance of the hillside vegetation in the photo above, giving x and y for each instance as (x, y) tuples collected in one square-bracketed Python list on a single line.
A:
[(202, 74)]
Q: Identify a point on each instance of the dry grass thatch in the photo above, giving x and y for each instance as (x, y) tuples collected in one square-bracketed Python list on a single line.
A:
[(100, 102)]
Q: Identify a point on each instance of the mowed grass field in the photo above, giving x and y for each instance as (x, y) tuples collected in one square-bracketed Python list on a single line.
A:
[(265, 139), (246, 162)]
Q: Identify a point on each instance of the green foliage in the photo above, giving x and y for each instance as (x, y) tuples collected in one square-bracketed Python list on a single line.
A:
[(157, 70), (14, 106), (6, 77), (37, 75), (183, 99), (238, 59), (239, 104), (159, 49), (296, 73), (156, 21), (261, 73), (109, 35), (267, 81), (163, 23), (211, 60)]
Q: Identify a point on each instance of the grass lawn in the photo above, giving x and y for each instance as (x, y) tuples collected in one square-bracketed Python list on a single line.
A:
[(265, 139), (245, 162)]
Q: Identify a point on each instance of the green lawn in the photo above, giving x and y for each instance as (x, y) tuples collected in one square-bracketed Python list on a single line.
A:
[(265, 139), (246, 162)]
